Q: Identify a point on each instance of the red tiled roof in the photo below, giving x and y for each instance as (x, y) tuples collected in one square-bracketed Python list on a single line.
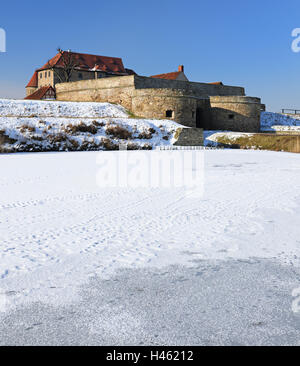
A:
[(89, 62), (33, 83), (168, 76), (40, 93)]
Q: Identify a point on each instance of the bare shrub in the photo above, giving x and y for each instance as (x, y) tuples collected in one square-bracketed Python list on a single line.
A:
[(145, 135), (4, 139), (74, 144), (108, 144), (81, 127), (27, 128), (57, 138), (118, 132), (98, 124), (133, 146), (38, 138), (147, 147)]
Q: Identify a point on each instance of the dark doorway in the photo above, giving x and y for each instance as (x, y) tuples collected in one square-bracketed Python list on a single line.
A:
[(169, 114), (200, 118)]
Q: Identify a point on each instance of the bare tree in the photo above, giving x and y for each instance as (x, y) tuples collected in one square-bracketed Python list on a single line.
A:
[(64, 72)]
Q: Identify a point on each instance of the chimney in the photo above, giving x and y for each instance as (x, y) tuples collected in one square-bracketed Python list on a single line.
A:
[(181, 68)]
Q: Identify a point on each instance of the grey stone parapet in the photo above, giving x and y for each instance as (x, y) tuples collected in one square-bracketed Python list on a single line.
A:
[(189, 137)]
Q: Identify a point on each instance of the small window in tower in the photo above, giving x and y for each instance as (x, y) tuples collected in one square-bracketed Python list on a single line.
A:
[(169, 114), (41, 75), (231, 116), (45, 74), (49, 74)]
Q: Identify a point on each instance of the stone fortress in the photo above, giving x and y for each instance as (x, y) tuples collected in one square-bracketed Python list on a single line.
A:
[(209, 106)]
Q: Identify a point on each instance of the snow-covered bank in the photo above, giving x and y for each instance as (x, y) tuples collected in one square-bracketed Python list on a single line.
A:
[(65, 126), (58, 227), (271, 122), (211, 138)]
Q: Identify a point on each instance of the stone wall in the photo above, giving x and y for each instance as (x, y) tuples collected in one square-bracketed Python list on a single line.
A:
[(168, 104), (208, 106), (189, 88), (49, 77), (45, 78), (113, 90), (235, 113), (30, 90)]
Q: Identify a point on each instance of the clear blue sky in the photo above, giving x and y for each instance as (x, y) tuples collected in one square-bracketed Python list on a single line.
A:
[(237, 42)]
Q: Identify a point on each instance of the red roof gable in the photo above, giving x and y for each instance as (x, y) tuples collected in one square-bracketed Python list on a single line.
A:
[(33, 83), (168, 76), (89, 62), (40, 93)]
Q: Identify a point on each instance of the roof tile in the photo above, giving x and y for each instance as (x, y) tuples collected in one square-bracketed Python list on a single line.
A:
[(33, 83), (90, 62), (40, 93), (168, 76)]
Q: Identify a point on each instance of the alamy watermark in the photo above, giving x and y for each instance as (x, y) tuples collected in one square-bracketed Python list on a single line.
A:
[(155, 169), (296, 42), (2, 40)]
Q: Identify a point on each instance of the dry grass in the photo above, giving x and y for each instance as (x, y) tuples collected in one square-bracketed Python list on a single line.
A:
[(273, 142), (177, 133), (118, 131)]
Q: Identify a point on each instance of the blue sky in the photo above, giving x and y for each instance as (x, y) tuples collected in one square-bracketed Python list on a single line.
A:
[(239, 43)]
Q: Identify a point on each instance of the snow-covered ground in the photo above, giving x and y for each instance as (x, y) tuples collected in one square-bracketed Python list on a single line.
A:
[(84, 264)]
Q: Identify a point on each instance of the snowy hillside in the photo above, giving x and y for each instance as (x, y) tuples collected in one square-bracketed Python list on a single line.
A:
[(279, 122), (30, 108), (61, 126)]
